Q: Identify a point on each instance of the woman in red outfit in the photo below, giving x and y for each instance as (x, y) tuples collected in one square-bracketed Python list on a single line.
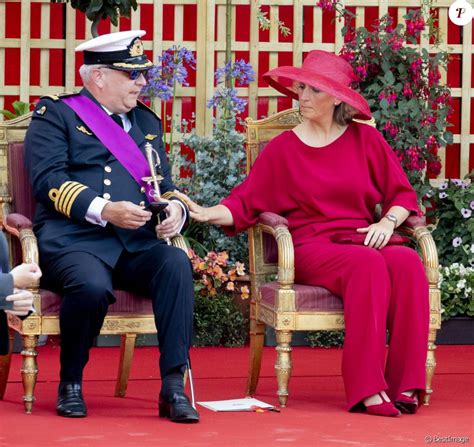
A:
[(326, 176)]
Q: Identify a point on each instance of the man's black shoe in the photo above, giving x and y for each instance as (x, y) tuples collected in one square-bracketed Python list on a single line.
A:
[(177, 408), (70, 402)]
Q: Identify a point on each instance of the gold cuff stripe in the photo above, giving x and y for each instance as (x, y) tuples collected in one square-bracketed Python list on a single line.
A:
[(73, 198), (63, 191), (66, 195), (70, 197)]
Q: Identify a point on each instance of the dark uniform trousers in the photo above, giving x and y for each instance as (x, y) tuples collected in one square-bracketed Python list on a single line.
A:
[(162, 272)]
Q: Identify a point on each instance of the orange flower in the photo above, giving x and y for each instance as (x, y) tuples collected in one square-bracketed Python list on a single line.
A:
[(244, 292)]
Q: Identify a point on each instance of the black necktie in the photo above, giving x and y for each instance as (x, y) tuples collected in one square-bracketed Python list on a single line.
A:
[(117, 119)]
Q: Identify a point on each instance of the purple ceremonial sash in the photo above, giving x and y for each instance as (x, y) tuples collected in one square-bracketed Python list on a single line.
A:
[(113, 137)]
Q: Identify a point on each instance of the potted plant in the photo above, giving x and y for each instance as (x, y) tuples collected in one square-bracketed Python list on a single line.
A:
[(453, 232), (218, 320)]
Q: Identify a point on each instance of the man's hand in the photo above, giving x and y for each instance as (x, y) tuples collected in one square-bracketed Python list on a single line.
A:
[(125, 215), (25, 275), (172, 224), (22, 302)]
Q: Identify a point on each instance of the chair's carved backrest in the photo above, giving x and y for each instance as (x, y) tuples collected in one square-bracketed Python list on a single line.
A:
[(15, 189), (14, 182), (262, 247)]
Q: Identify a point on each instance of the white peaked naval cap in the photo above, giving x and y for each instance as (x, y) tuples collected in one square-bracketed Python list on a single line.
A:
[(122, 50)]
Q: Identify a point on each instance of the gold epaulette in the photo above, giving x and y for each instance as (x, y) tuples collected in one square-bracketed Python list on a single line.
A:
[(59, 95), (144, 106), (64, 197), (370, 122)]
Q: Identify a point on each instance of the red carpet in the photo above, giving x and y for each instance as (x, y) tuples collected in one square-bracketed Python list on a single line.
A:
[(315, 416)]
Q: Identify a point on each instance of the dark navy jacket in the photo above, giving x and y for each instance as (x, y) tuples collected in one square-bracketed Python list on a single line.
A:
[(62, 154)]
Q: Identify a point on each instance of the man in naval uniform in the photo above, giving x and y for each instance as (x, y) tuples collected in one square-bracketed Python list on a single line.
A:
[(85, 157)]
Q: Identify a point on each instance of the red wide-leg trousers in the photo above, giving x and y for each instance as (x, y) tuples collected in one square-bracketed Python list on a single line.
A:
[(381, 289)]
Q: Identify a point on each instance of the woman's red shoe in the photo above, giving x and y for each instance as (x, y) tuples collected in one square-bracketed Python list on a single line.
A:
[(386, 408)]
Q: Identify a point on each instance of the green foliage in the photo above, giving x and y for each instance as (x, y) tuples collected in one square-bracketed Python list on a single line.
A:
[(218, 321), (453, 226), (19, 108), (265, 23), (453, 233), (325, 339), (457, 290), (96, 10)]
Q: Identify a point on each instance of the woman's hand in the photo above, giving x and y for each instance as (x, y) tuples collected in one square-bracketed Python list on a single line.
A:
[(378, 234), (196, 212), (22, 302), (25, 275)]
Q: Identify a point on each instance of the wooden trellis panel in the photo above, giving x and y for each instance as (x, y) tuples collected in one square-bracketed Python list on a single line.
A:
[(37, 41)]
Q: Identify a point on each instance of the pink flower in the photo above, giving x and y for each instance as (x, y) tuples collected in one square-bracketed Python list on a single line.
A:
[(327, 5), (347, 54), (433, 76), (361, 71), (396, 42), (407, 91), (434, 167), (430, 140), (391, 129), (390, 97), (415, 25)]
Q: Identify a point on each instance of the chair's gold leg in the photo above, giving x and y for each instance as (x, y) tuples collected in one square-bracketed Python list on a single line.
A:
[(127, 346), (257, 332), (283, 364), (430, 366), (29, 370), (5, 363)]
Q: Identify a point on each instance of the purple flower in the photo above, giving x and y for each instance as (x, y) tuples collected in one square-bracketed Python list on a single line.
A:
[(226, 98), (457, 181), (239, 71), (442, 195), (457, 241), (466, 213), (472, 204), (169, 71), (444, 185)]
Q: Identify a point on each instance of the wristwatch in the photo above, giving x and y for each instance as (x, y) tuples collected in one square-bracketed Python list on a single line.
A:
[(392, 218)]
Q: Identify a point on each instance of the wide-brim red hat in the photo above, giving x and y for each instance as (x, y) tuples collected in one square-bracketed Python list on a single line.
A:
[(326, 72)]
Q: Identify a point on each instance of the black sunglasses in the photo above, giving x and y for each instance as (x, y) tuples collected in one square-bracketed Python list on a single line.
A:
[(132, 74)]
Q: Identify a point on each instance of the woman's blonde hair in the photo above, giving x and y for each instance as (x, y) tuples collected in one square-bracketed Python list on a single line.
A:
[(343, 113)]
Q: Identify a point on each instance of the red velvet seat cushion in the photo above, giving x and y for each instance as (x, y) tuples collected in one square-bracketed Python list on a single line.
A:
[(127, 303), (310, 298)]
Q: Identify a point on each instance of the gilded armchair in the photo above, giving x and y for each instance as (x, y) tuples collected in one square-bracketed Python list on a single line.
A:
[(129, 316), (288, 307)]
